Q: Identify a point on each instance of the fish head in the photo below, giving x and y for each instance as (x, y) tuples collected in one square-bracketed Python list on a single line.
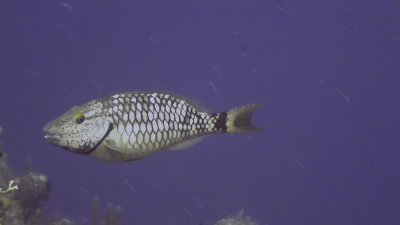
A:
[(81, 129)]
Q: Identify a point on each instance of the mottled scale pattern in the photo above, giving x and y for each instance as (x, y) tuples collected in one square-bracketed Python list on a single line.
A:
[(152, 121)]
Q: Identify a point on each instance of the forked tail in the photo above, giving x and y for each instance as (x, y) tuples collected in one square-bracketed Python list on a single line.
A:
[(237, 120)]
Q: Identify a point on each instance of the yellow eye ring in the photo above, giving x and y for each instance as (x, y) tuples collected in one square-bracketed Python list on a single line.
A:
[(79, 118)]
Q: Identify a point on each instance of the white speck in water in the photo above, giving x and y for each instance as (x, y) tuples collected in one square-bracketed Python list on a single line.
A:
[(216, 69), (212, 85), (66, 5)]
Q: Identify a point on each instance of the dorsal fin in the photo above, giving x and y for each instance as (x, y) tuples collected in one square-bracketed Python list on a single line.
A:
[(191, 102)]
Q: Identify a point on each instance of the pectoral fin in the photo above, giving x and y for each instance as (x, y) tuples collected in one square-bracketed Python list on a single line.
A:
[(110, 144)]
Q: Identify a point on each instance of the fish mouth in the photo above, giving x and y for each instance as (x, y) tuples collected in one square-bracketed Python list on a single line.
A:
[(52, 138)]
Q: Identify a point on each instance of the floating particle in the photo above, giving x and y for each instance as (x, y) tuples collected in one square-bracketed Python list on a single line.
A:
[(216, 69), (299, 164), (212, 85), (66, 5), (344, 95)]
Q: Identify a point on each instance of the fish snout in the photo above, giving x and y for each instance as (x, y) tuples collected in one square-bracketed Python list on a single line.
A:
[(52, 138), (50, 135)]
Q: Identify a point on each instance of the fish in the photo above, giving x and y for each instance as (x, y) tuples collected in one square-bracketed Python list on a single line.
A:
[(132, 125)]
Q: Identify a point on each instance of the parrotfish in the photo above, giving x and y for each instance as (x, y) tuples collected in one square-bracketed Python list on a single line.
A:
[(132, 125)]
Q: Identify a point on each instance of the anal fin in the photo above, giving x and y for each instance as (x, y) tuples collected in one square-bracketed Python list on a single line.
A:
[(186, 143)]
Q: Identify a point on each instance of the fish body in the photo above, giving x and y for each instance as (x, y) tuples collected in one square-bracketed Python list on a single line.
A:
[(132, 125)]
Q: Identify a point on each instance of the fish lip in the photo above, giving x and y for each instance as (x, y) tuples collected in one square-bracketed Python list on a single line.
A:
[(52, 138)]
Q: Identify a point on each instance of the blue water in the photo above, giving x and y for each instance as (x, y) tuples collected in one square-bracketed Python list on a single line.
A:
[(326, 72)]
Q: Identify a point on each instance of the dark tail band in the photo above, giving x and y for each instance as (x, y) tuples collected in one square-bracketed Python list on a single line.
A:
[(237, 120)]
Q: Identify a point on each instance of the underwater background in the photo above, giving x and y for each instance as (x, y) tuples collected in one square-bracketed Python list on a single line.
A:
[(327, 74)]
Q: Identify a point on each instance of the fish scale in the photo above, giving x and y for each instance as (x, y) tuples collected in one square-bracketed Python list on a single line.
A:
[(168, 112), (132, 125)]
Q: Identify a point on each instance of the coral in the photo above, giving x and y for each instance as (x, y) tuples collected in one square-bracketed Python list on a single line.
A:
[(237, 219), (26, 202), (5, 202), (21, 201), (111, 217), (63, 221), (11, 187)]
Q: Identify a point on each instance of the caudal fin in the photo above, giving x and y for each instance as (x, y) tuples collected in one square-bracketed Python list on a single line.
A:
[(238, 120)]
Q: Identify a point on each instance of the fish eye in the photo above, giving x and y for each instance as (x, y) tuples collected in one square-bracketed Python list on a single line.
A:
[(79, 118)]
